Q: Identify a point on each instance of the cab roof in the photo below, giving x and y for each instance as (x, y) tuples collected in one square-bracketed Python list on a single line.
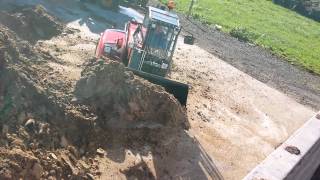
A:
[(156, 14)]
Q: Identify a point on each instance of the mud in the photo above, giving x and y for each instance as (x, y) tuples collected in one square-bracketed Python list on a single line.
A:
[(55, 128)]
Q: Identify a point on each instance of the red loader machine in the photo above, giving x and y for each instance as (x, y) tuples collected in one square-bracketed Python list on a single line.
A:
[(147, 49)]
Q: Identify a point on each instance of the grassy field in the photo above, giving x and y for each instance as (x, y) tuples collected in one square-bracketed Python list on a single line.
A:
[(284, 32)]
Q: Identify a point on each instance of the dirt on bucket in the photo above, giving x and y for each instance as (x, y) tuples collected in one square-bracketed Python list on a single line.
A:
[(123, 100)]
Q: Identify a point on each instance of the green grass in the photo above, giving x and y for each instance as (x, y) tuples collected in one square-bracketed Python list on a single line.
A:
[(273, 27)]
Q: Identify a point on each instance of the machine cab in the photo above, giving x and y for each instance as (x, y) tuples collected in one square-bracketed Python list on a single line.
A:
[(159, 33)]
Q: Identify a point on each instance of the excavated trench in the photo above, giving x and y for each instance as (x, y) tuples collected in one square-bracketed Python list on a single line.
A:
[(52, 129)]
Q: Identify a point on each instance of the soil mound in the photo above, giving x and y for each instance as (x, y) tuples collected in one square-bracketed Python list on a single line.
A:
[(30, 143), (31, 24), (123, 100)]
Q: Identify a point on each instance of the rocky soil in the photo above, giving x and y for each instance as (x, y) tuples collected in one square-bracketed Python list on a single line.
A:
[(115, 94), (56, 127)]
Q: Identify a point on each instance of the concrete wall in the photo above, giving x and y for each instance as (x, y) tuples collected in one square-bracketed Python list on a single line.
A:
[(295, 159)]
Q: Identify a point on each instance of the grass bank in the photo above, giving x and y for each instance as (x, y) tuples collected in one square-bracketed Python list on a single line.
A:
[(262, 22)]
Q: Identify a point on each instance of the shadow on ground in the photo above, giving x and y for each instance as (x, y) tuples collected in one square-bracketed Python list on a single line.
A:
[(179, 156)]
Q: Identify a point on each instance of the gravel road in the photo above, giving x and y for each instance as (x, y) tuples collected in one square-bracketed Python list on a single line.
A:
[(259, 63)]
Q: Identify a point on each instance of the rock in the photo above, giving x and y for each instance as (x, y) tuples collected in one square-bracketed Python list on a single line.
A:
[(74, 100), (30, 124), (68, 164), (90, 176), (23, 133), (37, 170), (217, 27), (293, 150), (44, 128), (18, 143), (51, 178), (52, 172), (84, 165), (53, 156), (100, 152), (90, 160)]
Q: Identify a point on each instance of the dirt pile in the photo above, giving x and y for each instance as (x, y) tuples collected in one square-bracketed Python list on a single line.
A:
[(122, 100), (16, 58), (24, 163), (31, 24), (30, 109), (47, 131)]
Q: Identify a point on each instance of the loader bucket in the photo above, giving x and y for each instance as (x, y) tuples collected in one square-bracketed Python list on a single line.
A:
[(178, 90)]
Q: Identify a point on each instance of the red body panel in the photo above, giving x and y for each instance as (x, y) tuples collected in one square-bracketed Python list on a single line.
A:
[(110, 36)]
